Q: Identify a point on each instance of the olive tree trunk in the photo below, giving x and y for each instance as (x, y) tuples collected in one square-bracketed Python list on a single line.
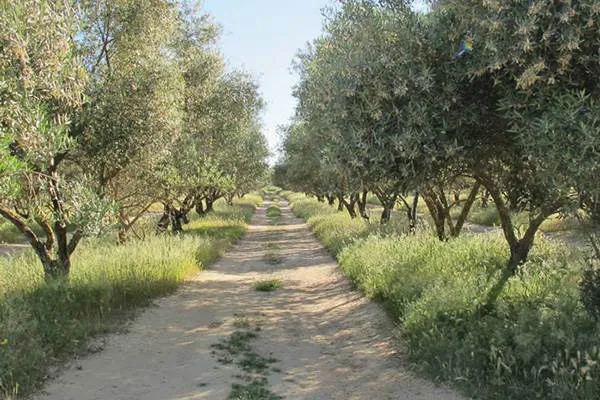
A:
[(519, 247)]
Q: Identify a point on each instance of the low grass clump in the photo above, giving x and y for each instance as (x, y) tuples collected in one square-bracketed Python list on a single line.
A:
[(10, 234), (483, 216), (559, 223), (249, 201), (540, 342), (274, 211), (226, 222), (269, 285), (237, 349), (41, 322)]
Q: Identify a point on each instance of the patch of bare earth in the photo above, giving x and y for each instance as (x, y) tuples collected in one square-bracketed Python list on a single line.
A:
[(321, 340)]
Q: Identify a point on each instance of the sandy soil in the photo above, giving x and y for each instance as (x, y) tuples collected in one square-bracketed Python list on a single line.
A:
[(331, 342)]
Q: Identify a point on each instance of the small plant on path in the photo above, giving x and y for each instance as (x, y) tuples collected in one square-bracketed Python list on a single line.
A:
[(237, 349), (268, 285), (274, 211)]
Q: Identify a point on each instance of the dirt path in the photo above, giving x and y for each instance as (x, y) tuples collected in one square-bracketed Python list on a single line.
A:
[(312, 339)]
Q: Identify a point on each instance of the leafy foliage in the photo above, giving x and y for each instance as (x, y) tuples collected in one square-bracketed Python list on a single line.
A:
[(111, 106)]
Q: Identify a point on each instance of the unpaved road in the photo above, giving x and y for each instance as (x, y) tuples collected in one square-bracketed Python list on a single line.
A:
[(330, 342)]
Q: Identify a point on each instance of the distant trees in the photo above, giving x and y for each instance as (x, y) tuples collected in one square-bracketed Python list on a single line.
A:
[(107, 107), (493, 95)]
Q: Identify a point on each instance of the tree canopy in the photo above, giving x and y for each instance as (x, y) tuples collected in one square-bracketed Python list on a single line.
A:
[(107, 107)]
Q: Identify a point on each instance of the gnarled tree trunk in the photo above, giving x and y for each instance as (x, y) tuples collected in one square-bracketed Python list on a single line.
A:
[(439, 209), (519, 248), (55, 253), (362, 204), (340, 203), (350, 205), (411, 212), (331, 199), (436, 212), (388, 201)]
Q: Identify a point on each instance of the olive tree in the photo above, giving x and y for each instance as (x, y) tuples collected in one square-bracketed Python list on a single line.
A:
[(42, 85), (135, 109), (529, 60)]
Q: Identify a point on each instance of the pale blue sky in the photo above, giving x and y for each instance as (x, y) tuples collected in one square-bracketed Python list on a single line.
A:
[(262, 37)]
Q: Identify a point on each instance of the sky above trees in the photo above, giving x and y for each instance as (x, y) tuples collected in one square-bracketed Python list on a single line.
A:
[(263, 36)]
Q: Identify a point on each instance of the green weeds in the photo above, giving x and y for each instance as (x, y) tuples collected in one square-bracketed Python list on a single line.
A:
[(273, 212), (237, 349), (268, 285)]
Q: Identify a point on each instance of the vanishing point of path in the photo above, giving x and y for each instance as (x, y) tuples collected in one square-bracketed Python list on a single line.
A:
[(321, 339)]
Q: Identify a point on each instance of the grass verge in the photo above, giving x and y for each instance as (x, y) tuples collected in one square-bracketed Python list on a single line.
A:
[(42, 323), (540, 342)]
